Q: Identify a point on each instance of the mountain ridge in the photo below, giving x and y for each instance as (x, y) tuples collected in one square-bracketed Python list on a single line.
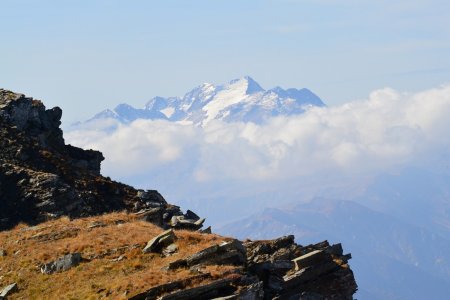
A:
[(386, 249), (241, 100)]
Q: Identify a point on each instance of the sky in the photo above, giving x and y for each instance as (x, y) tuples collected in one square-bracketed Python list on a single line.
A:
[(85, 56)]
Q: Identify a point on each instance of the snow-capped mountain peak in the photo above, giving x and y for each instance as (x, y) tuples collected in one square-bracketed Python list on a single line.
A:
[(241, 99), (251, 86)]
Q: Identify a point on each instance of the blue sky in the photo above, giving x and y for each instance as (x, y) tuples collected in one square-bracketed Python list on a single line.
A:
[(88, 55)]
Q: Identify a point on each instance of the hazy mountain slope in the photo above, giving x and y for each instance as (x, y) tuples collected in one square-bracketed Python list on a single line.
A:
[(415, 195), (397, 256)]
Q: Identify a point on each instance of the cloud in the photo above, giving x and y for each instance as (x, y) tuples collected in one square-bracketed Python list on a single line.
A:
[(386, 132)]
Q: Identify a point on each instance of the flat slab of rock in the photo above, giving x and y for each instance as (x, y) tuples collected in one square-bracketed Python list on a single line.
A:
[(8, 290), (310, 259), (152, 215), (160, 241), (232, 252), (156, 291), (62, 264), (212, 290)]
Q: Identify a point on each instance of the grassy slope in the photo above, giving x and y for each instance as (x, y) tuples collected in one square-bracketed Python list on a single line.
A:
[(100, 277)]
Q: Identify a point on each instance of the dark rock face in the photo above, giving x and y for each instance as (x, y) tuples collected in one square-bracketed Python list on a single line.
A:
[(42, 178), (291, 271)]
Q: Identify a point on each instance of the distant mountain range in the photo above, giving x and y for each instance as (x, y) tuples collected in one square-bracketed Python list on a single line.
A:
[(241, 100), (399, 225)]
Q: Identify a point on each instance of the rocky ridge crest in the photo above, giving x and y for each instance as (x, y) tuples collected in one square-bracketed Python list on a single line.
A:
[(42, 178)]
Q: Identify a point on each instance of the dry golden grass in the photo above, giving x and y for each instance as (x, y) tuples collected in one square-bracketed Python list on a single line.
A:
[(100, 277)]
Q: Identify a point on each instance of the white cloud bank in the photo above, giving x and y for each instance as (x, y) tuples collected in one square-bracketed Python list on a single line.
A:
[(388, 131)]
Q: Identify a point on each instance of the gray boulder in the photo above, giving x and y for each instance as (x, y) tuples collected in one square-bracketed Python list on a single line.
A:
[(160, 241), (62, 264)]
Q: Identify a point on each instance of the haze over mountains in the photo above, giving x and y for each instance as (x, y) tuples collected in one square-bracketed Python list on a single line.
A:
[(373, 173)]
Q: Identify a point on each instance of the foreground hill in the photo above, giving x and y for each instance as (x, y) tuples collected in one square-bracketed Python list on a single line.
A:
[(69, 233), (113, 265)]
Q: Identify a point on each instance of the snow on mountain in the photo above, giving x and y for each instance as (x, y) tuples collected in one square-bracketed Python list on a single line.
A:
[(241, 100)]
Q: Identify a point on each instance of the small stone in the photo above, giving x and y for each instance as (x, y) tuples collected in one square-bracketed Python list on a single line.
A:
[(170, 250), (12, 288), (2, 252), (120, 258), (96, 224)]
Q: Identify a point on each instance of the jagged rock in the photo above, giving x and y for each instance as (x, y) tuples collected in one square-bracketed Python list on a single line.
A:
[(335, 249), (229, 253), (180, 222), (310, 259), (152, 215), (158, 242), (179, 263), (151, 198), (156, 291), (207, 230), (288, 270), (254, 291), (191, 215), (8, 290), (232, 253), (212, 290), (42, 178), (62, 264), (2, 252)]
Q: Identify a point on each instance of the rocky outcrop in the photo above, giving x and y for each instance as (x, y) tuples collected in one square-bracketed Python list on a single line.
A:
[(276, 269), (42, 178)]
